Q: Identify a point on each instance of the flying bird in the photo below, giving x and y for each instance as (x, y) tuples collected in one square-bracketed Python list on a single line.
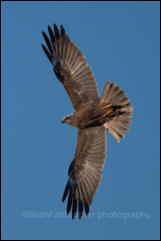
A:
[(92, 117)]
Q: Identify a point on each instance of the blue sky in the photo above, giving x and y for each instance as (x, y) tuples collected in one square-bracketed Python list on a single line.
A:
[(121, 41)]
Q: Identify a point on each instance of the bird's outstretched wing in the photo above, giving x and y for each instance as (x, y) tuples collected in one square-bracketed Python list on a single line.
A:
[(85, 170), (71, 68)]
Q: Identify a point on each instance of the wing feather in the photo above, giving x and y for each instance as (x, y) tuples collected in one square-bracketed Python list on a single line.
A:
[(71, 68), (85, 172)]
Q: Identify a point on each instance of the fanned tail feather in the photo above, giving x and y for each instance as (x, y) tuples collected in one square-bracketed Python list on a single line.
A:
[(118, 124)]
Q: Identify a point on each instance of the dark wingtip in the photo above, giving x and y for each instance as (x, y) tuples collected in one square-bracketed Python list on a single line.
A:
[(48, 43), (80, 212), (86, 209), (43, 33), (42, 46), (67, 212), (49, 29), (52, 37), (62, 30), (57, 35), (69, 204), (55, 26), (80, 215), (74, 208), (47, 53), (73, 215), (66, 191)]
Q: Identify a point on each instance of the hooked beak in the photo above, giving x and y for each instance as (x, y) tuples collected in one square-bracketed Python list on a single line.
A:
[(63, 121)]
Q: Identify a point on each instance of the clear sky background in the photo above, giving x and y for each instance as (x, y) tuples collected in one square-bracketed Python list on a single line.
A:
[(121, 41)]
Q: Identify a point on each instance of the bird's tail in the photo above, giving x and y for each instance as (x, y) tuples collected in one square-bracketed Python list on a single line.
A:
[(119, 110)]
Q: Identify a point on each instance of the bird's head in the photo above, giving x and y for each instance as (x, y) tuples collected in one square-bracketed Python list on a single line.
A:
[(69, 119)]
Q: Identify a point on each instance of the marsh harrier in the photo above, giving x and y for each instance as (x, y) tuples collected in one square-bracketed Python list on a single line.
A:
[(93, 115)]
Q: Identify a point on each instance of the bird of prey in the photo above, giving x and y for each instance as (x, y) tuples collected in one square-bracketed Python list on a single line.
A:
[(92, 117)]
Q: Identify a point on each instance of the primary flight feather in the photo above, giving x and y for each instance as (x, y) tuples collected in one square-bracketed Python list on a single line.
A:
[(92, 116)]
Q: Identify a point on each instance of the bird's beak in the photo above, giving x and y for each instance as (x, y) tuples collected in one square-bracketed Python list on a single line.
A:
[(62, 121)]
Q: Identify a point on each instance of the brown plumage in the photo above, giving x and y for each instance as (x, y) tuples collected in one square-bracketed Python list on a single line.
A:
[(92, 116)]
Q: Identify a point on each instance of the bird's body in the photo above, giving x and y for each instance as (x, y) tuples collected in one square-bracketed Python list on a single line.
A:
[(93, 115)]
